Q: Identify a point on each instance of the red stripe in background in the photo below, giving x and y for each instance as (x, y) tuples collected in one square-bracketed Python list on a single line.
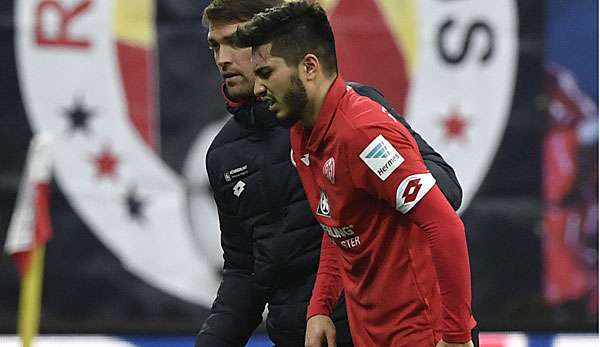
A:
[(137, 71), (367, 51)]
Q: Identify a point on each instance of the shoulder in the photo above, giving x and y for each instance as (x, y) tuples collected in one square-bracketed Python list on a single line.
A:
[(231, 134), (361, 120), (365, 90), (360, 114)]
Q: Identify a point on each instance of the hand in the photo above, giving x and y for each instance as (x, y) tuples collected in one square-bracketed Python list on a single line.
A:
[(443, 343), (319, 328)]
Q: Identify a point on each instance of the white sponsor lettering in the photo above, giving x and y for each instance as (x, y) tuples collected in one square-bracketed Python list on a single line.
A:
[(351, 243), (338, 232)]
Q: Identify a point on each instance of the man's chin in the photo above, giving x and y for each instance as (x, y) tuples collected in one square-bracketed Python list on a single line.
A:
[(237, 92)]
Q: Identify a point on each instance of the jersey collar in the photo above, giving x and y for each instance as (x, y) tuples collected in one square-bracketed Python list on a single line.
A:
[(323, 121)]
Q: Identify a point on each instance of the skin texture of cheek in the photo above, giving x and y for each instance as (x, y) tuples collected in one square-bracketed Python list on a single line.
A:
[(296, 97)]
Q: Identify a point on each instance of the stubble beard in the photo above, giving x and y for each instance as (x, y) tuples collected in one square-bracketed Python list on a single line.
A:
[(296, 100)]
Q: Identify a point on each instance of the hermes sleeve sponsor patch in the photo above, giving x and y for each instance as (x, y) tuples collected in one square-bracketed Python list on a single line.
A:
[(412, 190), (381, 157)]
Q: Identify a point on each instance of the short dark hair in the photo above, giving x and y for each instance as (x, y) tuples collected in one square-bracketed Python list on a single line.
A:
[(235, 11), (294, 29)]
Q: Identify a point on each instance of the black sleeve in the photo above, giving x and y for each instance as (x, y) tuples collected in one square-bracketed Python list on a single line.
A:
[(443, 173), (237, 310)]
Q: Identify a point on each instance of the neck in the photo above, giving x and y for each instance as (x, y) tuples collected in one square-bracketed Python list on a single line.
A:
[(313, 107)]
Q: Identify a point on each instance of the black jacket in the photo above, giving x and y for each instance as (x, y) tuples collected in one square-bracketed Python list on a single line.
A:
[(270, 239)]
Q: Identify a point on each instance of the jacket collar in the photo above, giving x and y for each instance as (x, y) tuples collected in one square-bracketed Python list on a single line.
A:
[(230, 103), (253, 114), (326, 114)]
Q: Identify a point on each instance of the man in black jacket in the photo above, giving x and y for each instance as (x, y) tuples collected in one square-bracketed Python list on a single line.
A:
[(270, 239)]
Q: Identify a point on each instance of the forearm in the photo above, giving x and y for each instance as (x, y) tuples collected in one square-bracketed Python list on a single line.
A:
[(235, 313), (237, 309), (446, 237), (328, 285)]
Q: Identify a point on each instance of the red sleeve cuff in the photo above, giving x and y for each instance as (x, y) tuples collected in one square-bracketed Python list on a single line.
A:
[(316, 309), (462, 337)]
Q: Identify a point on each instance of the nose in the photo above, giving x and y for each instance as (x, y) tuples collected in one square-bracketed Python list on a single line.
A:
[(259, 89), (223, 56)]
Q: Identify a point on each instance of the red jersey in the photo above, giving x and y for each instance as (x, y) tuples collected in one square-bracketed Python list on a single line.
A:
[(391, 239)]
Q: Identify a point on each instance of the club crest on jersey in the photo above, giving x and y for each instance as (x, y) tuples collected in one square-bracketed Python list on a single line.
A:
[(329, 170), (323, 207), (381, 157)]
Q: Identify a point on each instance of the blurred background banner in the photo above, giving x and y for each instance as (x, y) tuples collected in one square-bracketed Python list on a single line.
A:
[(505, 90), (86, 76)]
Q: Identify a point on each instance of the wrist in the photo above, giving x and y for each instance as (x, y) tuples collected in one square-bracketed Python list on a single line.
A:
[(317, 311), (316, 308)]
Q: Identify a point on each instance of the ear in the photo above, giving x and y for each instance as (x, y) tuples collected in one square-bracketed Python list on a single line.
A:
[(310, 66)]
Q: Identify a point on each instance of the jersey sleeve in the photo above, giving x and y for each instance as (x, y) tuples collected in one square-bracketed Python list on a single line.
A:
[(386, 163), (328, 285)]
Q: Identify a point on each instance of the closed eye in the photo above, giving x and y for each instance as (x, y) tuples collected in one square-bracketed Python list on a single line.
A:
[(263, 72), (213, 45)]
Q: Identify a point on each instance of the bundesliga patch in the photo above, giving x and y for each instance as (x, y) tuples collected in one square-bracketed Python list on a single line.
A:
[(381, 157), (323, 208), (412, 189)]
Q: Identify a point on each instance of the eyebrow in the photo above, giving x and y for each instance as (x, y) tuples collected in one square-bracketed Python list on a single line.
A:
[(227, 40)]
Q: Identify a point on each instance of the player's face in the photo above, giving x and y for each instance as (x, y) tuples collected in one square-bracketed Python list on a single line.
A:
[(234, 63), (279, 85)]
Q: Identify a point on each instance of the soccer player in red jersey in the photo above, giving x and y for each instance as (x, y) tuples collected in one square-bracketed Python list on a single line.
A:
[(391, 240)]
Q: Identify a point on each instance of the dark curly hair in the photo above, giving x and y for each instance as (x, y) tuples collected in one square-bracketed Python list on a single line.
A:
[(294, 30), (235, 11)]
